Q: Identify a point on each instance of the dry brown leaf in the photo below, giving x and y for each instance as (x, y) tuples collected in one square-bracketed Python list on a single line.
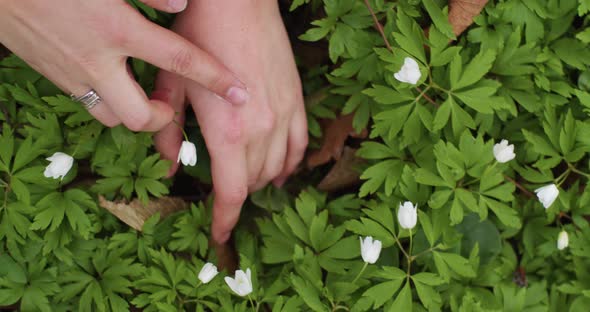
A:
[(343, 174), (135, 213), (462, 12), (336, 131)]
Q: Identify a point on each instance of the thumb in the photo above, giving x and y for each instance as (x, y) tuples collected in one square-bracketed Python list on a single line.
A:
[(170, 90), (170, 6)]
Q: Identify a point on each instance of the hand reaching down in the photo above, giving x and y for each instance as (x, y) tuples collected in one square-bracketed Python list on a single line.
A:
[(84, 45), (251, 144)]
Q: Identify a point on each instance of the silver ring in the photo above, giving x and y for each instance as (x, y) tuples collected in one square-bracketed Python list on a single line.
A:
[(89, 100)]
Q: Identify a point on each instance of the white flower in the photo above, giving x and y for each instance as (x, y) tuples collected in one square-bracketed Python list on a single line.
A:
[(562, 240), (60, 164), (504, 152), (242, 284), (187, 154), (370, 249), (208, 272), (410, 72), (407, 215), (547, 194)]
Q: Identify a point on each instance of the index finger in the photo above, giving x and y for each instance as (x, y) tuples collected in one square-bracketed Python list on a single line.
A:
[(177, 55)]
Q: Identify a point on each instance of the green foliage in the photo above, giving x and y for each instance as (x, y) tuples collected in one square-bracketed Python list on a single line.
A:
[(482, 242)]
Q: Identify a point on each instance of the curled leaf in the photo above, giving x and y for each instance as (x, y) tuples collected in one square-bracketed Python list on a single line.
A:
[(135, 213)]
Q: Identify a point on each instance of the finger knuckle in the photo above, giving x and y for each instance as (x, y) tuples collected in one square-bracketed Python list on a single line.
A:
[(267, 121), (235, 196), (233, 133), (271, 173), (182, 62), (139, 122)]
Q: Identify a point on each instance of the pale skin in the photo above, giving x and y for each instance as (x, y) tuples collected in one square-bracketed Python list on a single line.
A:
[(83, 45), (253, 144), (230, 58)]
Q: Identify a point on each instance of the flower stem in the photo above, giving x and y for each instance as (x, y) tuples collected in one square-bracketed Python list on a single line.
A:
[(252, 303), (399, 244), (410, 259), (360, 272), (563, 177), (181, 129)]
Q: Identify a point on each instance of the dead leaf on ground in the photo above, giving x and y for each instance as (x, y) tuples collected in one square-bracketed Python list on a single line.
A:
[(462, 12), (336, 131), (135, 213), (344, 173)]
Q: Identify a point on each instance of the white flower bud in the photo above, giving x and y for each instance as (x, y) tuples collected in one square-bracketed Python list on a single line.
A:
[(187, 154), (60, 164), (241, 284), (562, 240), (504, 152), (410, 72), (407, 215), (207, 273), (370, 249), (547, 194)]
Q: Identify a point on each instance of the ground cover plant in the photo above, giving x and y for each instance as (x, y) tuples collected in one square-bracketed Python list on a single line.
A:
[(447, 171)]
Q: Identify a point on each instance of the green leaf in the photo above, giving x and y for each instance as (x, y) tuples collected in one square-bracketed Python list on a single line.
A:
[(478, 98), (382, 292), (539, 143), (476, 69), (439, 19), (429, 297), (386, 172), (308, 293), (426, 177), (457, 263), (403, 302), (507, 215)]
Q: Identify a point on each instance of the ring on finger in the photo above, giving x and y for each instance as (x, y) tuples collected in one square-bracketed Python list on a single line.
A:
[(89, 100)]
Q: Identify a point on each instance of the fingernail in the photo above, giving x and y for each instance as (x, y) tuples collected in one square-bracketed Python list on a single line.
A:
[(237, 96), (177, 5)]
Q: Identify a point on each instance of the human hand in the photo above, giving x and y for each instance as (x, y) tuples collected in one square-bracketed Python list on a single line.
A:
[(84, 45), (258, 142)]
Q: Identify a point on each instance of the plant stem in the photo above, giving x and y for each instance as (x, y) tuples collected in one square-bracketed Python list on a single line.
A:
[(429, 99), (399, 244), (360, 272), (519, 186), (563, 177), (409, 258), (379, 26), (414, 257), (252, 303), (576, 170), (181, 128)]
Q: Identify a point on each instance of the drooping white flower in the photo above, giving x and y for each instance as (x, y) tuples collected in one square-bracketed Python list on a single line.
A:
[(208, 272), (410, 71), (241, 284), (504, 152), (370, 249), (407, 215), (187, 154), (547, 194), (60, 164), (562, 240)]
